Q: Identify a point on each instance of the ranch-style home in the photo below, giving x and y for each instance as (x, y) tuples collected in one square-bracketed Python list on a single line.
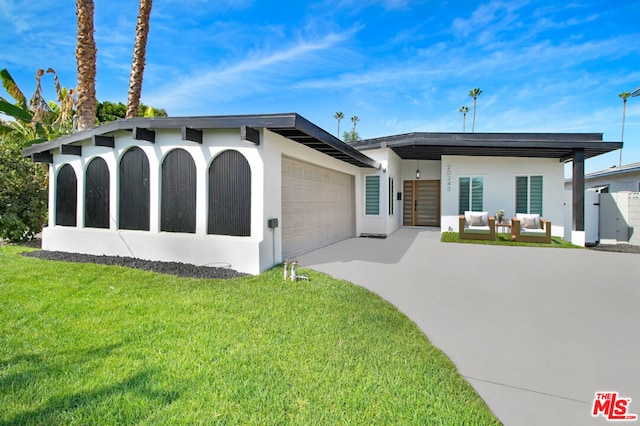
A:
[(249, 191)]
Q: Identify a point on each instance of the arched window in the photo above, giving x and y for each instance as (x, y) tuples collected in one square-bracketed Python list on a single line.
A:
[(66, 196), (178, 210), (96, 194), (230, 195), (133, 211)]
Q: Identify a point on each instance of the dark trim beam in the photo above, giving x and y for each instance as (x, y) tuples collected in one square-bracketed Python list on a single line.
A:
[(71, 150), (250, 134), (102, 140), (42, 157), (578, 190), (142, 134), (192, 135)]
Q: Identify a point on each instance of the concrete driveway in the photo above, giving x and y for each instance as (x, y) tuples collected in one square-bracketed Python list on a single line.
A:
[(536, 331)]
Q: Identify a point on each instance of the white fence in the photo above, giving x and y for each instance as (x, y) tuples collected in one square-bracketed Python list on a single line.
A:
[(619, 218)]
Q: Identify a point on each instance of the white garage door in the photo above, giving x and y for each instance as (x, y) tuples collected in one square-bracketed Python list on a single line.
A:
[(318, 207)]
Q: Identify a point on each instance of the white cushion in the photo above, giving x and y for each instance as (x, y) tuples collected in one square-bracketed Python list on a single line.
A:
[(533, 232), (527, 218), (477, 229), (484, 217)]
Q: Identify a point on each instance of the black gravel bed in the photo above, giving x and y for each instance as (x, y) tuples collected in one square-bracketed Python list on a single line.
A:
[(170, 268), (618, 248)]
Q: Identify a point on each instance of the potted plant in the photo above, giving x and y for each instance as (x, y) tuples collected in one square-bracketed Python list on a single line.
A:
[(499, 215)]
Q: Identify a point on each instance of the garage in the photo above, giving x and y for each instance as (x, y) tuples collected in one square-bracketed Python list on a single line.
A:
[(318, 207)]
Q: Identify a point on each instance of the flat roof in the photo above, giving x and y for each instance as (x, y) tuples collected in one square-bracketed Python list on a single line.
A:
[(431, 146), (290, 125)]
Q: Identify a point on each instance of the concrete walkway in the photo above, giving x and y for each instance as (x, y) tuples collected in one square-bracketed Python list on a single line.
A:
[(536, 331)]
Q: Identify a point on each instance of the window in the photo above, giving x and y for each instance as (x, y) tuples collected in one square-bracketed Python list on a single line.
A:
[(470, 194), (133, 210), (178, 202), (391, 196), (529, 194), (66, 196), (230, 195), (96, 194), (372, 195)]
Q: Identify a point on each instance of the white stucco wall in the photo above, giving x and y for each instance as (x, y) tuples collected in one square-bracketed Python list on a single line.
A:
[(239, 253), (272, 149), (383, 223), (499, 175)]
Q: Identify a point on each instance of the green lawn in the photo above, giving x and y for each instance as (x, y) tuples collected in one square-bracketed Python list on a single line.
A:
[(92, 344), (505, 240)]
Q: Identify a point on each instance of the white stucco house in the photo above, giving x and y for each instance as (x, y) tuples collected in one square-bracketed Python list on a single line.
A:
[(248, 191)]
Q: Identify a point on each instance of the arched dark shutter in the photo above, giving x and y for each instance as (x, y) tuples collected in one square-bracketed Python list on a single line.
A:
[(230, 195), (178, 211), (133, 211), (96, 195), (66, 196)]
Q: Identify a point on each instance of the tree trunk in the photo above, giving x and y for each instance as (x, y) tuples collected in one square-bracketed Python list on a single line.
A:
[(86, 58), (473, 126), (138, 61)]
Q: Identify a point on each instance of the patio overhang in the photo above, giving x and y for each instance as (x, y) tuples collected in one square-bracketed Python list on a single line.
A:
[(565, 147), (290, 125)]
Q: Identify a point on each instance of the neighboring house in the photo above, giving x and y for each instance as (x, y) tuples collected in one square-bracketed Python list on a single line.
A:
[(613, 179), (248, 191), (612, 205)]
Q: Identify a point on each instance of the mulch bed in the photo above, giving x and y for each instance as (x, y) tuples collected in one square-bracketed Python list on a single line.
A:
[(172, 268)]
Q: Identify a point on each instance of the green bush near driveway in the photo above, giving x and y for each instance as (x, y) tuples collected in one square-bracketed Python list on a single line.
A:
[(92, 344)]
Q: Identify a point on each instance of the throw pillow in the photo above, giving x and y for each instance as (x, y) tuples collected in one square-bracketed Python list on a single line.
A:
[(529, 223), (476, 220)]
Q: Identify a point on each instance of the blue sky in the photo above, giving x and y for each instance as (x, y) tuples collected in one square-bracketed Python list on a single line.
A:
[(399, 65)]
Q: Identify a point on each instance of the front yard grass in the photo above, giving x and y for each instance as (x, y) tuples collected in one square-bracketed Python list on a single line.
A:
[(93, 344), (505, 240)]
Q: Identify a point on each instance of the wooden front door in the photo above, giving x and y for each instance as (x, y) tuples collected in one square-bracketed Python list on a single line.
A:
[(421, 203)]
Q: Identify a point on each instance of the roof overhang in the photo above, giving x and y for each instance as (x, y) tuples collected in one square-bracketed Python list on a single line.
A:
[(431, 146), (290, 125)]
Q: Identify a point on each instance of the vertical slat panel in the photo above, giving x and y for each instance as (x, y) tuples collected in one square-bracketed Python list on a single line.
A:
[(96, 196), (477, 194), (428, 203), (464, 198), (229, 195), (133, 211), (522, 205), (407, 203), (66, 196), (535, 191), (178, 196), (372, 195)]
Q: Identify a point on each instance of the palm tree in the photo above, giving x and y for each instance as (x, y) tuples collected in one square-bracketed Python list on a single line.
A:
[(464, 110), (138, 61), (355, 120), (86, 58), (624, 96), (474, 93), (338, 116)]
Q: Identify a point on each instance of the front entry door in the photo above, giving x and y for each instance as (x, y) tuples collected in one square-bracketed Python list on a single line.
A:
[(421, 203)]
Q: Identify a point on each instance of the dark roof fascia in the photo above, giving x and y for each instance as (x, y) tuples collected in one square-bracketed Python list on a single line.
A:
[(546, 145), (311, 129), (290, 121)]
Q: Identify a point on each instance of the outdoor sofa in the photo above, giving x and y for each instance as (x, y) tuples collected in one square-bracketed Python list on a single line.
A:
[(530, 228), (477, 226)]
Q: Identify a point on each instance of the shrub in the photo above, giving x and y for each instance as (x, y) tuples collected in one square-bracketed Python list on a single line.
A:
[(23, 193)]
